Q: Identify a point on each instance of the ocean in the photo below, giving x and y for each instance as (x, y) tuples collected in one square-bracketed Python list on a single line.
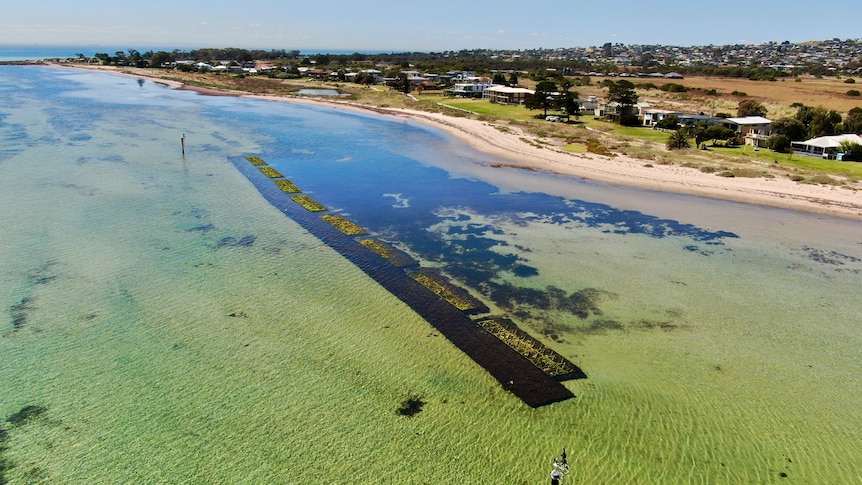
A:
[(161, 322)]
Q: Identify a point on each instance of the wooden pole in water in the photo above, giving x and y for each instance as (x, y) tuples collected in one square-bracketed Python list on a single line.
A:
[(183, 143)]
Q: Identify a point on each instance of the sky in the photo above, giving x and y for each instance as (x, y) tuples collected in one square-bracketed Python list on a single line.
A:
[(433, 26)]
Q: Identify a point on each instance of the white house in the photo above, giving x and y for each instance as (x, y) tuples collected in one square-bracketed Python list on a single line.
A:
[(755, 129), (468, 90), (506, 95), (651, 116), (825, 146)]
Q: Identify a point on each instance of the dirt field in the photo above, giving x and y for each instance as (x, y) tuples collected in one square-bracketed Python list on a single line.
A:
[(777, 96)]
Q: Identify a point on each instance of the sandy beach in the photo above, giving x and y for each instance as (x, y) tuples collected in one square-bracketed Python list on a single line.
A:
[(620, 169)]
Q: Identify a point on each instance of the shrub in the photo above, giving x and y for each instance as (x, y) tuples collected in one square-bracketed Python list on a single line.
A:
[(669, 122), (853, 92), (849, 80), (595, 146), (739, 93), (824, 180), (673, 88), (677, 141), (778, 143)]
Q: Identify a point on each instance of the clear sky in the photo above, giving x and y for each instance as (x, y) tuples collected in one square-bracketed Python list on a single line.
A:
[(426, 26)]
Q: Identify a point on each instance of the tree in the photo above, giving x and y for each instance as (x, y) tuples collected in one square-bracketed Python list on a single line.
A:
[(852, 150), (804, 113), (790, 127), (778, 142), (568, 101), (853, 121), (669, 122), (160, 58), (714, 132), (400, 83), (677, 141), (750, 107), (365, 78), (543, 97), (135, 58), (513, 79), (499, 78), (623, 93), (823, 122)]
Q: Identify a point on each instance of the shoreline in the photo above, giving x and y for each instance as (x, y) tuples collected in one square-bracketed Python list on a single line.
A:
[(618, 170)]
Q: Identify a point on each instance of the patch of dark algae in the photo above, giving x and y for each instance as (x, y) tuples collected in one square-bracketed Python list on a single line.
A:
[(514, 371), (23, 416), (5, 463)]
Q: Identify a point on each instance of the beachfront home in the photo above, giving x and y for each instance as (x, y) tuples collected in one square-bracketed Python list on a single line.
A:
[(651, 116), (754, 129), (467, 90), (692, 120), (826, 146), (506, 95)]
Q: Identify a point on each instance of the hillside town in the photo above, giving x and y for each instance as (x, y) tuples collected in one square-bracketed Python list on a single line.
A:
[(823, 57)]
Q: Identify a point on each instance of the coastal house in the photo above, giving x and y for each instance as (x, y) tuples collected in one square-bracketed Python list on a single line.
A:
[(692, 120), (415, 77), (589, 104), (506, 94), (467, 90), (651, 116), (826, 146), (754, 129), (461, 75)]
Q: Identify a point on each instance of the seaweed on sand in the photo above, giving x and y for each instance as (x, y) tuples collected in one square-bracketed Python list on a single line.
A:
[(395, 256), (20, 312), (346, 226), (287, 186), (232, 242), (410, 406), (26, 413), (456, 296), (271, 172), (308, 203), (256, 161), (551, 363)]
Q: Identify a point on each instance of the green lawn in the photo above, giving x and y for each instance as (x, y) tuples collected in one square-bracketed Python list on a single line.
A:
[(485, 107), (848, 169)]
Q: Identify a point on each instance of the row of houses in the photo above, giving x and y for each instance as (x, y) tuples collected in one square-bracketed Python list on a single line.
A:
[(754, 130)]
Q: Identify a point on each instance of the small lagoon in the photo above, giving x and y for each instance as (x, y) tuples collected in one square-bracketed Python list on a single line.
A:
[(163, 323)]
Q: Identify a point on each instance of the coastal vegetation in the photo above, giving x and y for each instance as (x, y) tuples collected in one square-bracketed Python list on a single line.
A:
[(287, 186), (271, 172), (544, 358), (256, 161), (344, 225), (308, 203), (459, 298), (394, 256)]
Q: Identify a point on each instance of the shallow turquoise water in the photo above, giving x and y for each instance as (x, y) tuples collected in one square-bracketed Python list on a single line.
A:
[(176, 328)]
